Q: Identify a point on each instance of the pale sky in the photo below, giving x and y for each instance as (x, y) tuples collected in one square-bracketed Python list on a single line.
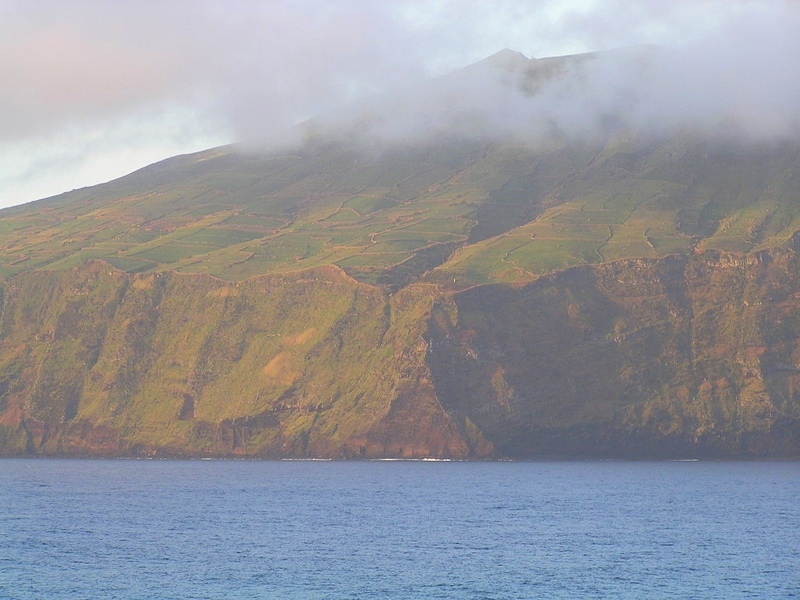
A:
[(94, 89)]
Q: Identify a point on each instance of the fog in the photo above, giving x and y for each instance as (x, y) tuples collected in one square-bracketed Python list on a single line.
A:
[(740, 84), (93, 89)]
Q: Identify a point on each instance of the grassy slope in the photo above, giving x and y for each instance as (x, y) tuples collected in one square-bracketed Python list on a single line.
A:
[(514, 212), (646, 201), (234, 216)]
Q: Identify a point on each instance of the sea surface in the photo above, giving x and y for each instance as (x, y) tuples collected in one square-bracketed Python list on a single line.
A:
[(249, 529)]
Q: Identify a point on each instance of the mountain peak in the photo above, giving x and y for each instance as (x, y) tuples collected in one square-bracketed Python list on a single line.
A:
[(506, 58), (507, 54)]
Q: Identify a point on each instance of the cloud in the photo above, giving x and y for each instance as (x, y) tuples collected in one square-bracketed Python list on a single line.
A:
[(258, 67), (81, 74), (261, 65), (739, 81)]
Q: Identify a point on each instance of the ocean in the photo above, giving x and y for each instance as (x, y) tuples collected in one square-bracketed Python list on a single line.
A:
[(359, 530)]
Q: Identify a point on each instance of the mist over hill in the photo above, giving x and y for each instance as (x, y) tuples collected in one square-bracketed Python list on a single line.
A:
[(590, 255), (721, 94)]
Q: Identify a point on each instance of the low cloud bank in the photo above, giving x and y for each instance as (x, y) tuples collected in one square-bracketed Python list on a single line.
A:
[(169, 76), (741, 86)]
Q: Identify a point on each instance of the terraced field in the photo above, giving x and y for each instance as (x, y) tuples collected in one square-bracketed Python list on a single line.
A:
[(489, 212)]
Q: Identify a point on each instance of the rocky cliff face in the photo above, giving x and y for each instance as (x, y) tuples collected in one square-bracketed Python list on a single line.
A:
[(682, 356), (95, 361), (670, 357)]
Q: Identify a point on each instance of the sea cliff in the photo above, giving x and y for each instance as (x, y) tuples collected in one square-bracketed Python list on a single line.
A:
[(681, 356)]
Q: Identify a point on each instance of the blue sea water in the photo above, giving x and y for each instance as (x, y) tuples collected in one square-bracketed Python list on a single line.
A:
[(231, 529)]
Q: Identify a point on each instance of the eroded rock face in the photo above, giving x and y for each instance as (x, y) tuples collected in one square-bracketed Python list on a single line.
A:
[(672, 357), (683, 356), (95, 361)]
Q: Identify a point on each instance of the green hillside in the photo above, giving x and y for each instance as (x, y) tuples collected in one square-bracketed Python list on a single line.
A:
[(484, 212)]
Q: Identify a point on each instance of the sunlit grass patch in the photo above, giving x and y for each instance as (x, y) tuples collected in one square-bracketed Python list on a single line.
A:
[(220, 238), (129, 264), (373, 259), (78, 258), (343, 215), (170, 253), (541, 255), (367, 204), (453, 225)]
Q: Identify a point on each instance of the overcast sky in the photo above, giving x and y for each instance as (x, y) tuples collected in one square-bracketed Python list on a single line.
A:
[(93, 89)]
